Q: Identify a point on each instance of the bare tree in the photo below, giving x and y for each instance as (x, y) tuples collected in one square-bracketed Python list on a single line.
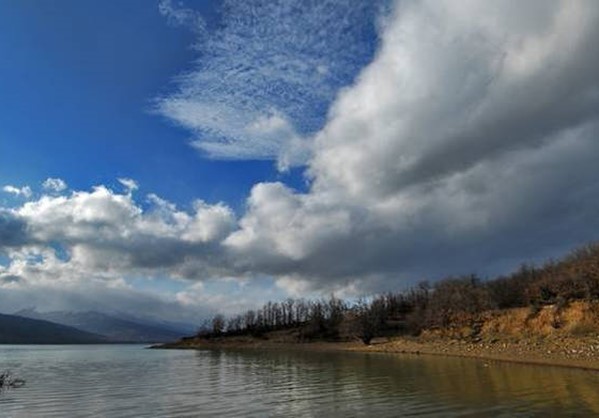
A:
[(218, 324)]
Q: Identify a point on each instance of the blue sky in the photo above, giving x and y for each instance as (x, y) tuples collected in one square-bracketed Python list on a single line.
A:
[(179, 157), (78, 80)]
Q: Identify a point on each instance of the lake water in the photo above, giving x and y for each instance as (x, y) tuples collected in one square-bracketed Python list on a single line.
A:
[(129, 381)]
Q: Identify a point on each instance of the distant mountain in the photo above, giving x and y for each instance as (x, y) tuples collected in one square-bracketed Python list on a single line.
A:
[(182, 328), (19, 330), (114, 329)]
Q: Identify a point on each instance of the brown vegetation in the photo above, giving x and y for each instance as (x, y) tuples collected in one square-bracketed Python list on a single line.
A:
[(539, 300)]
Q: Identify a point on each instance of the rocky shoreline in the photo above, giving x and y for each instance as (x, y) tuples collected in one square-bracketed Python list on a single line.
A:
[(561, 351), (566, 352), (566, 336)]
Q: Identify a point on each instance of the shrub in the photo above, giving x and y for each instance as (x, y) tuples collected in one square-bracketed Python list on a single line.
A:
[(7, 380)]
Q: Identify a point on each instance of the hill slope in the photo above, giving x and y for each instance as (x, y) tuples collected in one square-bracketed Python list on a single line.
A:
[(113, 328), (19, 330)]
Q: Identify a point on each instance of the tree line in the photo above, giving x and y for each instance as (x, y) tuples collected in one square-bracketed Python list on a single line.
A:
[(453, 300)]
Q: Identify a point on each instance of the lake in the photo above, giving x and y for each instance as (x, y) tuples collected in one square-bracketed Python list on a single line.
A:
[(130, 381)]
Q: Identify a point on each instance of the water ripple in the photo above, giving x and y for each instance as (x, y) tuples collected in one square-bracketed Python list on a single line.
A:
[(128, 381)]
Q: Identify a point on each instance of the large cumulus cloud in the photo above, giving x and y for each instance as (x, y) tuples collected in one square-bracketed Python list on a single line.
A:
[(101, 230), (13, 229), (469, 142)]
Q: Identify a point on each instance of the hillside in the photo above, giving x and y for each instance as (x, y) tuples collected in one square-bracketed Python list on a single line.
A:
[(554, 335), (19, 330), (537, 314), (112, 328), (449, 303)]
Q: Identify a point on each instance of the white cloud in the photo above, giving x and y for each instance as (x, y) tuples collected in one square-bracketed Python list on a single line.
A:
[(456, 150), (468, 143), (279, 222), (230, 295), (449, 88), (49, 286), (104, 230), (66, 246), (181, 16), (54, 184), (24, 191), (209, 223), (129, 184), (266, 74)]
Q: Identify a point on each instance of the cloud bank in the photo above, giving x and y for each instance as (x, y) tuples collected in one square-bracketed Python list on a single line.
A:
[(77, 250), (468, 143)]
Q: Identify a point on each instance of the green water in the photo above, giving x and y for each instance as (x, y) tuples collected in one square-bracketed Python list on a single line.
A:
[(129, 381)]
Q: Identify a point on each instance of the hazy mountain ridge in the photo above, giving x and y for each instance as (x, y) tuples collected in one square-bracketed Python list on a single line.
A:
[(16, 329), (114, 329), (184, 328)]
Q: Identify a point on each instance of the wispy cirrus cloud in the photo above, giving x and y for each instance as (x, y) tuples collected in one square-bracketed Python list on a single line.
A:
[(130, 185), (267, 73), (178, 15)]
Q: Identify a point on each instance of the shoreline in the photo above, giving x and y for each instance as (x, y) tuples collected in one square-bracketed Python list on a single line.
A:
[(571, 353), (550, 336), (518, 352)]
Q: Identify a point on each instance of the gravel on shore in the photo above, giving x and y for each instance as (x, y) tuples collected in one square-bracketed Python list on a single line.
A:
[(560, 351)]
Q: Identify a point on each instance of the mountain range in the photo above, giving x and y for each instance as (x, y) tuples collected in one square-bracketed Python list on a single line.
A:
[(111, 328), (19, 330)]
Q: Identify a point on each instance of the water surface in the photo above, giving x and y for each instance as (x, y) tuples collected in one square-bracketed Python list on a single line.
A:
[(129, 381)]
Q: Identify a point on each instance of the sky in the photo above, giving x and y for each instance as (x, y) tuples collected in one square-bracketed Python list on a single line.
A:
[(179, 158)]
